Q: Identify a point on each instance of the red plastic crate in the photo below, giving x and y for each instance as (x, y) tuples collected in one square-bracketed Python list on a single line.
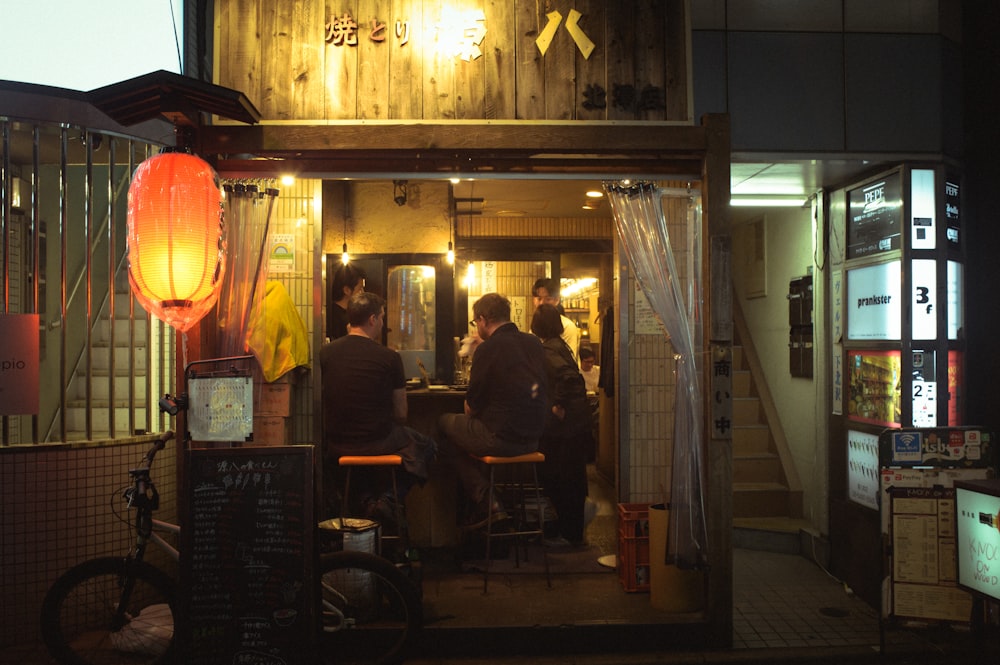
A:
[(633, 546)]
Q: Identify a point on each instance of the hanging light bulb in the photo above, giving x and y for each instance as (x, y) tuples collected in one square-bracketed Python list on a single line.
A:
[(345, 258), (176, 247), (450, 256)]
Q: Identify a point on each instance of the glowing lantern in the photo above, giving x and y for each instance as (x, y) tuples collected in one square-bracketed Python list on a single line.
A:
[(175, 238)]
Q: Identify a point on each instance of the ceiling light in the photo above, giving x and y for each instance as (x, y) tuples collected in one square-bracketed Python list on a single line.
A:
[(768, 200), (594, 194)]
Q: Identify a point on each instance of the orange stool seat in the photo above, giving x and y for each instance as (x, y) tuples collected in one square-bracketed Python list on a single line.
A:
[(391, 461), (370, 460), (528, 458)]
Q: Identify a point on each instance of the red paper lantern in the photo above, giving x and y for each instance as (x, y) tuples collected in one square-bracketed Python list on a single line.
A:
[(175, 238)]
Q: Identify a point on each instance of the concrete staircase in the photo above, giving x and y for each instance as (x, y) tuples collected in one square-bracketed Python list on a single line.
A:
[(767, 497), (129, 360)]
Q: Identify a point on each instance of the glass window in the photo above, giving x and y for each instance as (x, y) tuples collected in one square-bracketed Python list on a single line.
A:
[(410, 316)]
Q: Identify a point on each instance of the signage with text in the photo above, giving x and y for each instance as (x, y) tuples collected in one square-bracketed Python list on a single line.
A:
[(977, 518), (875, 222), (874, 303), (19, 364)]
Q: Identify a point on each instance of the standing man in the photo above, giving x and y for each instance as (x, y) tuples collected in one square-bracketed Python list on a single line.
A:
[(364, 405), (505, 405), (546, 292), (347, 280)]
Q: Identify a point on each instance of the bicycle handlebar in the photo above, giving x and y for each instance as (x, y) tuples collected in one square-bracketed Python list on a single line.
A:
[(157, 446)]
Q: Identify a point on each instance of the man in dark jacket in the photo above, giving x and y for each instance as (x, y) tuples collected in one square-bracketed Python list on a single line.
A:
[(505, 404)]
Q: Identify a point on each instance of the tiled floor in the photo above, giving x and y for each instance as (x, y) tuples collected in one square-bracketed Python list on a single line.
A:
[(783, 604), (783, 600)]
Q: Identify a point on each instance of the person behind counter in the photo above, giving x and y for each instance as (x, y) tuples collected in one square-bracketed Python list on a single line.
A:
[(546, 291), (505, 405), (591, 372), (364, 406), (347, 281), (567, 431)]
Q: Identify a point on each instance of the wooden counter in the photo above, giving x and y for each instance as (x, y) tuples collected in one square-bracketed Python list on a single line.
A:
[(431, 509)]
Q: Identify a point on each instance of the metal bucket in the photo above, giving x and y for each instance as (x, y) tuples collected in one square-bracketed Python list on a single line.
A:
[(356, 535)]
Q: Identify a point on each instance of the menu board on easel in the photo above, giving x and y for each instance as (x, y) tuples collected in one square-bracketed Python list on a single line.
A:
[(924, 575), (247, 548), (919, 469)]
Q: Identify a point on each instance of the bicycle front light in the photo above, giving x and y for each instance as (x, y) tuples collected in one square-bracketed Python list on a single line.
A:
[(171, 405)]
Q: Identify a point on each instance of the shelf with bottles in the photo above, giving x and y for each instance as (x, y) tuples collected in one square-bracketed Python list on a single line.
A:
[(874, 386)]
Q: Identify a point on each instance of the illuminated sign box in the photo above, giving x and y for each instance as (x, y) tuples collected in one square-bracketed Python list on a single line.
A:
[(977, 520), (874, 302), (875, 218)]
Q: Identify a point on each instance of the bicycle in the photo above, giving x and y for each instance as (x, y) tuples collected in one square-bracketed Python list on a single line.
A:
[(112, 610)]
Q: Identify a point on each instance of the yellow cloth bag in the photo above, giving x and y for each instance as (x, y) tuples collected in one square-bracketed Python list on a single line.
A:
[(278, 337)]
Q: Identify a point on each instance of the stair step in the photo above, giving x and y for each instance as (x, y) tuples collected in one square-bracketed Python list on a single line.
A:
[(751, 440), (742, 384), (757, 468), (101, 357), (102, 331), (140, 402), (746, 411), (76, 420), (766, 499), (738, 357), (784, 535)]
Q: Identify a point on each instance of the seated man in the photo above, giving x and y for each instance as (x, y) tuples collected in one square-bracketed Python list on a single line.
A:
[(505, 404), (364, 406)]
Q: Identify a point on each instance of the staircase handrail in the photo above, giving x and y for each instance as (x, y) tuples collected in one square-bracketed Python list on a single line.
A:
[(766, 400), (99, 236)]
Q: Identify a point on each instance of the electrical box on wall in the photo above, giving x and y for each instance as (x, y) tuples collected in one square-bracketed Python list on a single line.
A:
[(800, 335)]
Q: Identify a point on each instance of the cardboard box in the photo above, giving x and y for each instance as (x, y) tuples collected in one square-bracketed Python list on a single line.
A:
[(272, 430), (272, 399)]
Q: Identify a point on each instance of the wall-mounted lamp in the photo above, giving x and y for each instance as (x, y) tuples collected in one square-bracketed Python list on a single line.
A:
[(399, 192), (450, 256), (175, 237)]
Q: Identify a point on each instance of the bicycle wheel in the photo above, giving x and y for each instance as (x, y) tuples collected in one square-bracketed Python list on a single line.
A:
[(81, 624), (371, 611)]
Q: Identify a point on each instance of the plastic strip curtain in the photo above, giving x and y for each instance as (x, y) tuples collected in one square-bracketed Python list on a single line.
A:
[(248, 216), (641, 218)]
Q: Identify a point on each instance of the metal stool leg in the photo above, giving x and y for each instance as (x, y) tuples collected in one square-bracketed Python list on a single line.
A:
[(489, 529), (347, 493), (541, 524)]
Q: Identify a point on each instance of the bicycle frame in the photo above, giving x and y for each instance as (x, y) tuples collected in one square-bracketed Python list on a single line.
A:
[(143, 496)]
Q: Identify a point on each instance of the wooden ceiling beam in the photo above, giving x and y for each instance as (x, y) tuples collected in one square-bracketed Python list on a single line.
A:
[(443, 147)]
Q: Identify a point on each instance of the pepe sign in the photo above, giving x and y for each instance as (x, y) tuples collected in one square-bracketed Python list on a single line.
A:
[(19, 364)]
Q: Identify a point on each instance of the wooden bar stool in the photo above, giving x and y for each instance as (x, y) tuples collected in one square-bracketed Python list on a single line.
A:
[(521, 529), (392, 462)]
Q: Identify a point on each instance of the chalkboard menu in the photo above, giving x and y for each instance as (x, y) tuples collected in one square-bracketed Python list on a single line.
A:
[(247, 557)]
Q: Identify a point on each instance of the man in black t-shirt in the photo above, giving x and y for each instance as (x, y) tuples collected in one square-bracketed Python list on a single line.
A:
[(505, 404), (364, 404)]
